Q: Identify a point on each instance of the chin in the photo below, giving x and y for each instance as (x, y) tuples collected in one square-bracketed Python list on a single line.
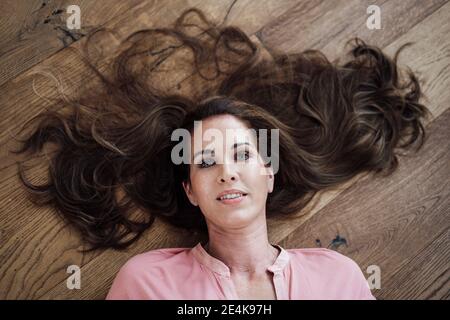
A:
[(238, 218)]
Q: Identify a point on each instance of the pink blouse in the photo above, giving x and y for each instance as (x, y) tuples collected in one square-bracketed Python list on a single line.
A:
[(193, 274)]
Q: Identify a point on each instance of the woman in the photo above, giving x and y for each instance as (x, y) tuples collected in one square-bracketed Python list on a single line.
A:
[(238, 262), (116, 149)]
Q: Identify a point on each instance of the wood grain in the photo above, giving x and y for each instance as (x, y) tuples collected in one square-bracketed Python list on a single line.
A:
[(32, 31), (425, 276)]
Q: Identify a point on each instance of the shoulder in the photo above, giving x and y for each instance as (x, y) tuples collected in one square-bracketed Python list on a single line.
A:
[(324, 259), (332, 273), (143, 261), (144, 275)]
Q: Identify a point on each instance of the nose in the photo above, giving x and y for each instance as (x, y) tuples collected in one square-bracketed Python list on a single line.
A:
[(227, 174)]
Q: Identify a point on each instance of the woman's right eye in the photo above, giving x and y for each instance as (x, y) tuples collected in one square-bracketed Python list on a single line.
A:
[(206, 163)]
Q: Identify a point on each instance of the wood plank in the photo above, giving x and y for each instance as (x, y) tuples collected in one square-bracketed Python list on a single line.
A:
[(432, 264), (388, 221), (36, 248), (327, 25), (31, 31)]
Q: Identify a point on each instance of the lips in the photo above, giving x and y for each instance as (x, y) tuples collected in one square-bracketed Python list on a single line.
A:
[(233, 201), (229, 192)]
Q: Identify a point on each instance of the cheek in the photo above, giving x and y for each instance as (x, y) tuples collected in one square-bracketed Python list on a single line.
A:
[(201, 182), (255, 178)]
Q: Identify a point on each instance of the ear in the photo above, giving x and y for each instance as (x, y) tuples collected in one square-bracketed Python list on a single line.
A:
[(188, 189)]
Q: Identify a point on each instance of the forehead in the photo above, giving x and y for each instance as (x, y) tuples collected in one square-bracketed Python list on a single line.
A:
[(231, 129)]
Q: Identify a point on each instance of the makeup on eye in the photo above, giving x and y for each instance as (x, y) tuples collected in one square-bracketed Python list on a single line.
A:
[(206, 151), (208, 162)]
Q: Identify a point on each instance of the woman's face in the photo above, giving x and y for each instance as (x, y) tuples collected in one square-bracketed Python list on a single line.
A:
[(233, 165)]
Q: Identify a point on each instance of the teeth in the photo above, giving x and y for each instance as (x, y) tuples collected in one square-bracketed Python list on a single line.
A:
[(231, 196)]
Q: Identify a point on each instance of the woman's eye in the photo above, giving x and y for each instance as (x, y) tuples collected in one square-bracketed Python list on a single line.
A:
[(242, 156), (206, 163)]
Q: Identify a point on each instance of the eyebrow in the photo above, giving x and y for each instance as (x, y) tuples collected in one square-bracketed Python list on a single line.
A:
[(234, 146)]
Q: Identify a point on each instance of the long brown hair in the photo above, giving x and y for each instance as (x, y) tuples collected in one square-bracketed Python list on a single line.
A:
[(113, 141)]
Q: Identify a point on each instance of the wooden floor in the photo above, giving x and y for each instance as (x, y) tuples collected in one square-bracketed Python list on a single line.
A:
[(399, 223)]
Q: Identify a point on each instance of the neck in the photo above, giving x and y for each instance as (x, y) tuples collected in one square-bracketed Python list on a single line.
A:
[(246, 251)]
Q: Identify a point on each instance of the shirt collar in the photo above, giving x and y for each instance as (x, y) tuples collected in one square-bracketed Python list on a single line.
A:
[(221, 268)]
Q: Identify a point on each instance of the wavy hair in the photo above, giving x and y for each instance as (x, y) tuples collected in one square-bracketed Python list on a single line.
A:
[(113, 141)]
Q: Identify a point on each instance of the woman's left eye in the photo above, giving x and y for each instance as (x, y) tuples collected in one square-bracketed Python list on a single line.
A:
[(242, 156), (206, 163)]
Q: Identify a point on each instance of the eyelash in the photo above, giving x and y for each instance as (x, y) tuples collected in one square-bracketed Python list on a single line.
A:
[(203, 165)]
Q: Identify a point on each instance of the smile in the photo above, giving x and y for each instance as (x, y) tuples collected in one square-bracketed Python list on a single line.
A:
[(232, 198)]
